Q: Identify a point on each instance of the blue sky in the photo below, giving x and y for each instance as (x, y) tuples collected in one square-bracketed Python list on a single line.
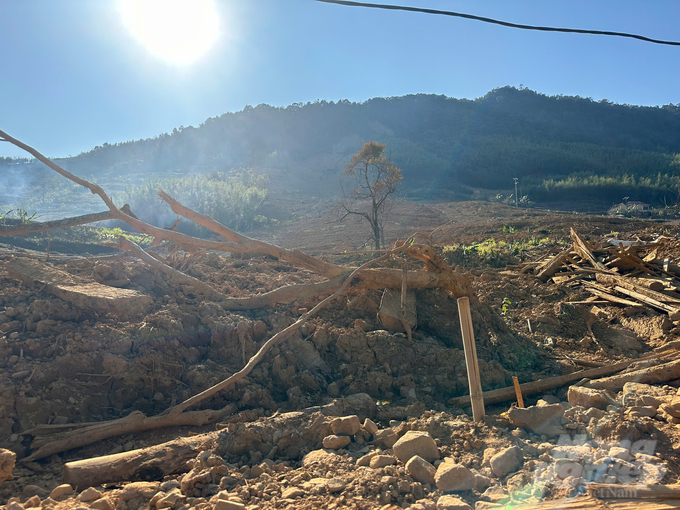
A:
[(72, 77)]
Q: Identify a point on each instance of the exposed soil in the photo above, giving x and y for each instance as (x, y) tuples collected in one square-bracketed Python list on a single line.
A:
[(61, 364)]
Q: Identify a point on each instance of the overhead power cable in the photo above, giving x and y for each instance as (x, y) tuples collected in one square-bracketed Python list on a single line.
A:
[(498, 22)]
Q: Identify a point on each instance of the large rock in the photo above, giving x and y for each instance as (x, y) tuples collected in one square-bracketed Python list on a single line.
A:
[(7, 460), (454, 477), (449, 502), (589, 397), (390, 312), (421, 470), (416, 442), (539, 419), (346, 426), (506, 461)]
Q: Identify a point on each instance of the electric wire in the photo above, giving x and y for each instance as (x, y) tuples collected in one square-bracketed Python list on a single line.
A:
[(499, 22)]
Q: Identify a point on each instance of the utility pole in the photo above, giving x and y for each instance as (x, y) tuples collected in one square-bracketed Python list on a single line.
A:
[(516, 198)]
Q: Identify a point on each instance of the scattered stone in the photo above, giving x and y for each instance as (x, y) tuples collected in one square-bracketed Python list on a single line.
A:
[(385, 438), (382, 460), (494, 494), (672, 407), (449, 502), (544, 420), (89, 494), (421, 470), (319, 457), (506, 461), (454, 477), (370, 426), (104, 503), (335, 485), (346, 426), (638, 394), (292, 493), (7, 461), (416, 442), (169, 485), (33, 501), (589, 397), (334, 442), (226, 504), (60, 491), (366, 459)]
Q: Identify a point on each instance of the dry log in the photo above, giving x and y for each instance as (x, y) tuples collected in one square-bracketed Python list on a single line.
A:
[(618, 491), (47, 442), (37, 226), (508, 393), (251, 245), (651, 375), (145, 464)]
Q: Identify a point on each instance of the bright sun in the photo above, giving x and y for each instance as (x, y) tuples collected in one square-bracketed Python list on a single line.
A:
[(178, 31)]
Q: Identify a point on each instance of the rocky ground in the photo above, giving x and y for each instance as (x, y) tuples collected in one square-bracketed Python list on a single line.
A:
[(286, 442)]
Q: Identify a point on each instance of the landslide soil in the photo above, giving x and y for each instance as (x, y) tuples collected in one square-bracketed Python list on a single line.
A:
[(60, 364)]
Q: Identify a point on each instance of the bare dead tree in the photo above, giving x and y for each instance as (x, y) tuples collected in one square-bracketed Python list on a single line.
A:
[(376, 180)]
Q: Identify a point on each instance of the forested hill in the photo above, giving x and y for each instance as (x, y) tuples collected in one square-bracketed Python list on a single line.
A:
[(560, 147)]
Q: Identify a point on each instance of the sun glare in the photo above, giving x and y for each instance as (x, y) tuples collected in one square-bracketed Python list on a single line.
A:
[(178, 31)]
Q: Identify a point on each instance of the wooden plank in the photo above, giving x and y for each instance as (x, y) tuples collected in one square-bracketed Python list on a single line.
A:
[(628, 283), (585, 253), (673, 313), (549, 269), (611, 298), (474, 380)]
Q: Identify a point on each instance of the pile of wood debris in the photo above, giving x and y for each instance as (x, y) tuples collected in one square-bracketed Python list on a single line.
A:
[(626, 273)]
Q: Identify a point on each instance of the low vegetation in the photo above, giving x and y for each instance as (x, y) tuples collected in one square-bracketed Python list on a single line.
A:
[(234, 199)]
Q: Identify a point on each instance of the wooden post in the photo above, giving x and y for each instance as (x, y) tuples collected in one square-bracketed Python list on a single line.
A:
[(476, 396), (518, 391)]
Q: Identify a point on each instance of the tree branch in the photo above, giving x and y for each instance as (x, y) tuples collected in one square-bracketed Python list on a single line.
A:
[(37, 226)]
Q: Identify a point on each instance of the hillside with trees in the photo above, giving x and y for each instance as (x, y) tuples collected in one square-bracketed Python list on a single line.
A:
[(562, 149)]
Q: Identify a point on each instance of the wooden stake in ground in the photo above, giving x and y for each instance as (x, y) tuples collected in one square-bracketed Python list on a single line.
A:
[(518, 391), (476, 395)]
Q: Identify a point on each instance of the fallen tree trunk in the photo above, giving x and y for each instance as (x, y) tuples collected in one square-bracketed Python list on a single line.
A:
[(651, 375), (46, 443), (508, 393), (37, 226), (145, 464)]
